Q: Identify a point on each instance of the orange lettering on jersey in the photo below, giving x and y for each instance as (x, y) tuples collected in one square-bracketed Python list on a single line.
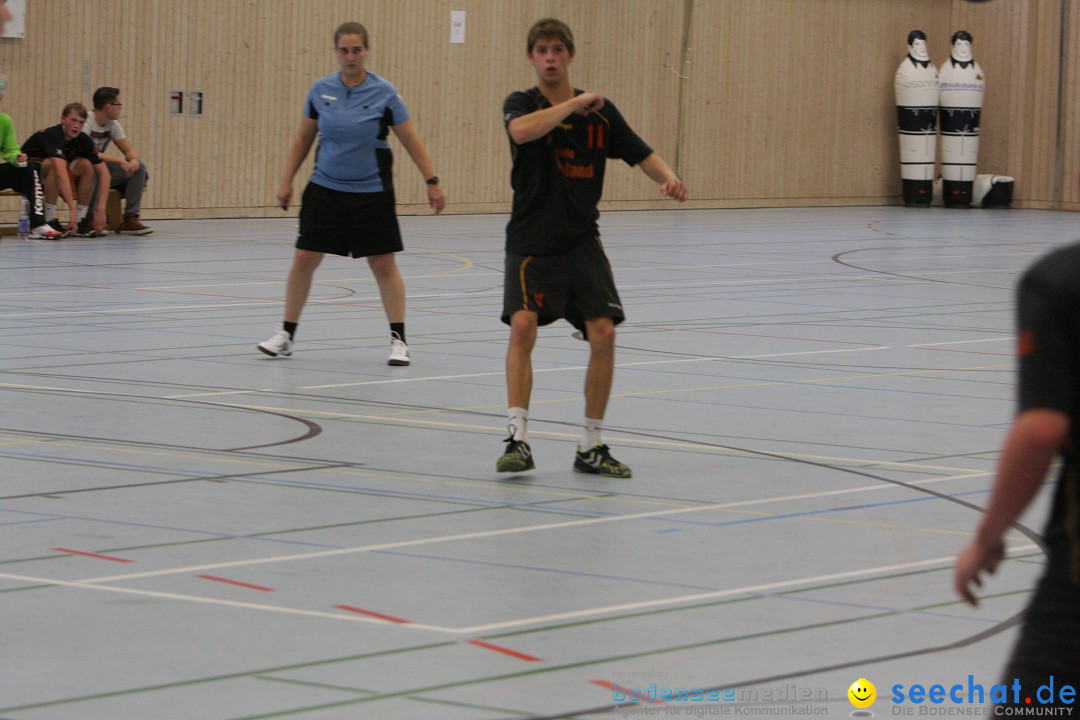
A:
[(1025, 344), (538, 298), (578, 172)]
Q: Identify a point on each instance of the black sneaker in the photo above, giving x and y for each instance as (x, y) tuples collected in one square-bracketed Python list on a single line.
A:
[(517, 458), (87, 230), (55, 225), (598, 461)]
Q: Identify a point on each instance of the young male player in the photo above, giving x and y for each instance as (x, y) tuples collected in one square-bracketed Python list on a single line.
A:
[(560, 139), (1046, 426), (59, 147)]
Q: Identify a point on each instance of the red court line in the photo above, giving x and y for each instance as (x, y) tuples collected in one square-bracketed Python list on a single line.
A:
[(215, 578), (93, 555), (388, 618), (504, 651), (612, 686)]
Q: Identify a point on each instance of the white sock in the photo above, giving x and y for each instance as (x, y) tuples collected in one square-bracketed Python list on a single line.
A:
[(82, 211), (50, 212), (590, 436), (518, 423)]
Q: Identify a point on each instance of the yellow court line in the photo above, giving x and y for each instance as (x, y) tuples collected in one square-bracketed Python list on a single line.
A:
[(625, 440), (710, 388)]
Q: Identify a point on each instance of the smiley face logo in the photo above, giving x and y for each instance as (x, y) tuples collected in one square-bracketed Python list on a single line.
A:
[(862, 693)]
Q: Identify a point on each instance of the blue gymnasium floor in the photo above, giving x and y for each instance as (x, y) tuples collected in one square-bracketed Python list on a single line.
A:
[(810, 400)]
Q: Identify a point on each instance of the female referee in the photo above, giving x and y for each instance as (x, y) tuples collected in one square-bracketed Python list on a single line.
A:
[(348, 206)]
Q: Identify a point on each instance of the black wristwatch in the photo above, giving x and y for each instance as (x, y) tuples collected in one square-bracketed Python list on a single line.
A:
[(432, 180)]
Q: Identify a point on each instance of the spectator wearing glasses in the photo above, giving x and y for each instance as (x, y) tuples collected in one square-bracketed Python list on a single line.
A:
[(127, 172)]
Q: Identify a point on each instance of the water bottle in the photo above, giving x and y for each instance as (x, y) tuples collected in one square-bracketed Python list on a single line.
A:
[(24, 219)]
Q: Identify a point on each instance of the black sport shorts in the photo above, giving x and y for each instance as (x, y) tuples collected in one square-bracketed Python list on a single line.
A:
[(576, 285), (346, 223)]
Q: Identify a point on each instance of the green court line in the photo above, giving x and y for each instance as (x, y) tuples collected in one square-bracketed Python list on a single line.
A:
[(729, 601), (308, 683), (473, 706), (274, 533), (584, 663), (228, 676), (456, 684), (558, 668)]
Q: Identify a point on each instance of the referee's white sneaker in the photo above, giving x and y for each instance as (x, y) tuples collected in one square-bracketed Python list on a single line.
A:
[(399, 352), (279, 344)]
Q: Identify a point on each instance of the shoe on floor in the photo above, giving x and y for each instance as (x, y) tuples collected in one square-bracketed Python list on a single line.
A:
[(45, 232), (55, 225), (399, 353), (279, 344), (517, 458), (132, 226), (598, 461), (87, 230)]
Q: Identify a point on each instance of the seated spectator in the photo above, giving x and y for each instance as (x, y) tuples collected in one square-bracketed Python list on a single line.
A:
[(16, 173), (127, 172), (62, 146)]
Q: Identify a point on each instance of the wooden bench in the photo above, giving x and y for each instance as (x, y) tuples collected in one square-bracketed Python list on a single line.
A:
[(113, 215), (11, 229)]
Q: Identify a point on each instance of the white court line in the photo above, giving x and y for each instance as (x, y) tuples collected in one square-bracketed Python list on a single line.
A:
[(194, 305), (578, 368), (500, 373), (537, 619), (483, 534), (858, 462), (350, 617), (696, 597)]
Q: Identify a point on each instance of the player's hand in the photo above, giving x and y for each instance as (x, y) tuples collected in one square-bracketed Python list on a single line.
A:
[(73, 217), (129, 167), (436, 198), (588, 102), (975, 559), (284, 195), (98, 220), (21, 158), (675, 189)]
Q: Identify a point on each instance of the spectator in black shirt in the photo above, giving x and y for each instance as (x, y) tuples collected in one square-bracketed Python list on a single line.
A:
[(62, 149)]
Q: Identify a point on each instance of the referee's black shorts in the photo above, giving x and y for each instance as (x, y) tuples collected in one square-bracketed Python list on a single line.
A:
[(576, 285), (347, 223)]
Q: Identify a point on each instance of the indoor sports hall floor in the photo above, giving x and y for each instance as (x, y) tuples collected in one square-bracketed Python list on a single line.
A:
[(811, 401)]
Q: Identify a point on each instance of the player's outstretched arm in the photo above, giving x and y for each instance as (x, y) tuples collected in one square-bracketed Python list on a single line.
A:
[(662, 174), (1036, 437), (536, 125)]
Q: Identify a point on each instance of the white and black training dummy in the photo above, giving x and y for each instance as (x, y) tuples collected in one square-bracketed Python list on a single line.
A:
[(962, 89), (916, 86)]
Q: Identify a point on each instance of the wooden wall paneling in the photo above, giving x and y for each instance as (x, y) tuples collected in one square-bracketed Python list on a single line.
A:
[(1070, 158), (785, 102)]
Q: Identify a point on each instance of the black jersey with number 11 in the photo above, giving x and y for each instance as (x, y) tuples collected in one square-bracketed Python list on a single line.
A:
[(558, 179)]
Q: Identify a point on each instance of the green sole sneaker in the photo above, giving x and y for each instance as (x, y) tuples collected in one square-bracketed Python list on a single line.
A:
[(598, 461), (517, 458)]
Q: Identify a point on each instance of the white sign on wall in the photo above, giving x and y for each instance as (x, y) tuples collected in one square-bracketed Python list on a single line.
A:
[(16, 27)]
